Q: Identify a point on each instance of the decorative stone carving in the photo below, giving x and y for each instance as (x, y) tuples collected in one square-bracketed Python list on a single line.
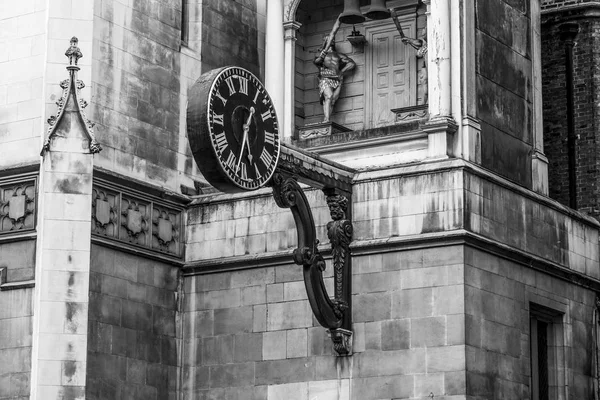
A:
[(320, 129), (135, 216), (339, 232), (72, 90), (411, 113), (342, 341), (104, 212), (17, 206), (138, 220), (165, 230)]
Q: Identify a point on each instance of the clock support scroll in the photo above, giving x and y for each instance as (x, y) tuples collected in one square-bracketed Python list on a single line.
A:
[(294, 167)]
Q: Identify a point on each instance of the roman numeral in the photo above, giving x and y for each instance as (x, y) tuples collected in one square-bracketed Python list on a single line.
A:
[(231, 161), (256, 171), (256, 96), (266, 158), (230, 85), (266, 115), (218, 119), (244, 171), (243, 85), (223, 99), (221, 141), (270, 138)]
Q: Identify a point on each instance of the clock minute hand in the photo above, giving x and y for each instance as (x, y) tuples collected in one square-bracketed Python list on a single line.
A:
[(246, 128)]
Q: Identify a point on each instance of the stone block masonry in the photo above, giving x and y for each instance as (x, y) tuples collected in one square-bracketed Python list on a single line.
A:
[(140, 79), (132, 350), (274, 346), (16, 318)]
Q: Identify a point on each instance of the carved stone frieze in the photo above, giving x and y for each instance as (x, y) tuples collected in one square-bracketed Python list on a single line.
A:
[(411, 113), (17, 205), (320, 129), (136, 219)]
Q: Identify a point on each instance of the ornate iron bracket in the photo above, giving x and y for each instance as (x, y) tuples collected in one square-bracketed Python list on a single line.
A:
[(335, 313)]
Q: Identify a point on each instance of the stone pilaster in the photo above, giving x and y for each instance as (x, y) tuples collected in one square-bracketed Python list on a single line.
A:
[(274, 51), (60, 327), (289, 78)]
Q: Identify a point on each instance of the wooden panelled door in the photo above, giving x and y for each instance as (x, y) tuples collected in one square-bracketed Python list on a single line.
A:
[(391, 78)]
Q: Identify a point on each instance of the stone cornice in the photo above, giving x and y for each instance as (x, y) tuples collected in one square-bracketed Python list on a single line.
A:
[(571, 12), (394, 244), (143, 188)]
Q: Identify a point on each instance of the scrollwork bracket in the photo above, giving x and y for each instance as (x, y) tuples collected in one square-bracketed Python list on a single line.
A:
[(335, 313)]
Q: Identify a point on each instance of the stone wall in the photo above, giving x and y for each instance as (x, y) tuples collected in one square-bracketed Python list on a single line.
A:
[(230, 35), (500, 296), (586, 115), (139, 90), (22, 49), (252, 334), (16, 319), (132, 349), (504, 87)]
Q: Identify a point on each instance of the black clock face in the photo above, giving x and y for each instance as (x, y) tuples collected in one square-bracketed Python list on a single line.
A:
[(243, 129)]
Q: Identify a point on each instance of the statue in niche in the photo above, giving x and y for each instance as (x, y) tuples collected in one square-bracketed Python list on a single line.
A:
[(332, 67), (420, 45), (73, 51)]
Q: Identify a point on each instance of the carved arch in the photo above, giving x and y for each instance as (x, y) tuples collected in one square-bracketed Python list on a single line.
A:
[(290, 10)]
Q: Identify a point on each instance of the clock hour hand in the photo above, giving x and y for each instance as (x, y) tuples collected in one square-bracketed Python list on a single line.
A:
[(245, 140)]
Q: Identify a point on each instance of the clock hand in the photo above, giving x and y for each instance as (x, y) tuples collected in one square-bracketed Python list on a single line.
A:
[(245, 140), (246, 130)]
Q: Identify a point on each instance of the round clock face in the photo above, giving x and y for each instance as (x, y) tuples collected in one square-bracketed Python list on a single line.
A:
[(239, 149)]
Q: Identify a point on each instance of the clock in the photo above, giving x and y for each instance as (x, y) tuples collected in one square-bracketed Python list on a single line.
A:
[(232, 129)]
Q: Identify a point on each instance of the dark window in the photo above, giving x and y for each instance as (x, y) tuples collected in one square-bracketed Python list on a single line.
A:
[(546, 342), (184, 22)]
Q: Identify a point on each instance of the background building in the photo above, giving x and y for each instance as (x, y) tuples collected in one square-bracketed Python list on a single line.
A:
[(475, 251)]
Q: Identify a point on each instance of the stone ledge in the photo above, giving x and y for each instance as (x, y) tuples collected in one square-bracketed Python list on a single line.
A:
[(138, 251), (394, 244), (4, 285), (339, 141), (143, 188)]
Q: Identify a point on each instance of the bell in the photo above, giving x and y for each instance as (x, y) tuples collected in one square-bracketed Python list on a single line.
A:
[(351, 14), (378, 10)]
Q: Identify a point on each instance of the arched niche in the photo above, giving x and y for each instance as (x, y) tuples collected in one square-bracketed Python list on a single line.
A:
[(368, 95)]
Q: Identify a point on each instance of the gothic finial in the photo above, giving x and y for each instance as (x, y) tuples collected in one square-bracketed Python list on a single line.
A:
[(73, 52)]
